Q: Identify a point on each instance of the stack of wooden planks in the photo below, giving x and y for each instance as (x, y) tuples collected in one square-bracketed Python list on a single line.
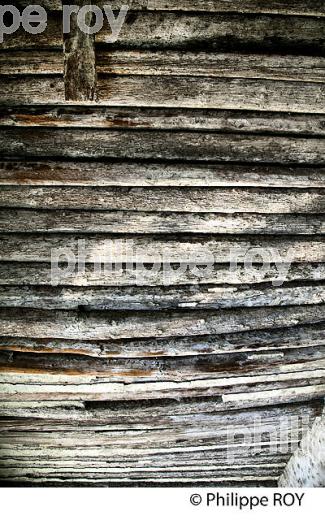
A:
[(200, 132)]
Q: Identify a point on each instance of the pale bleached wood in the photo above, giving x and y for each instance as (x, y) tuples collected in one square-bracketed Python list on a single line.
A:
[(67, 173), (106, 325), (175, 91), (298, 337), (12, 220), (306, 468), (160, 63), (147, 299), (191, 200), (191, 251), (39, 273)]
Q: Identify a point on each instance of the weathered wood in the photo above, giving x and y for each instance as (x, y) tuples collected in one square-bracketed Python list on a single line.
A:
[(67, 173), (299, 337), (192, 368), (104, 325), (197, 200), (79, 59), (306, 468), (287, 7), (160, 63), (175, 91), (139, 298), (49, 39), (44, 61), (164, 119), (12, 220), (194, 31), (129, 249), (29, 274), (285, 386)]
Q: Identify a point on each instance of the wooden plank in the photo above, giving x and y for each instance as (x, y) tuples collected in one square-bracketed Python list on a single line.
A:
[(176, 92), (192, 368), (12, 220), (225, 32), (189, 251), (40, 273), (51, 38), (272, 340), (231, 121), (180, 200), (153, 145), (79, 59), (44, 61), (151, 299), (231, 389), (287, 7), (67, 173), (105, 325), (161, 63)]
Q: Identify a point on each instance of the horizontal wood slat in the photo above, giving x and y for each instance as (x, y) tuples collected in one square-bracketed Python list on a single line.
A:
[(172, 199), (176, 91), (269, 340), (153, 249), (12, 220), (133, 174)]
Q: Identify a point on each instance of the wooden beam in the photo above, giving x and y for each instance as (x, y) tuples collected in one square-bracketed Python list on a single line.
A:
[(79, 60)]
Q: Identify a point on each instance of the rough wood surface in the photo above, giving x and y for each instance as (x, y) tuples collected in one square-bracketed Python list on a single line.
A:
[(22, 273), (147, 298), (175, 91), (287, 7), (202, 145), (269, 340), (79, 59), (130, 249), (109, 173), (194, 31), (306, 468), (13, 220), (109, 325), (165, 119), (198, 200), (162, 63)]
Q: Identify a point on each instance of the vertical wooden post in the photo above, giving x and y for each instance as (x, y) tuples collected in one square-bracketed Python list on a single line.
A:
[(306, 468), (79, 59)]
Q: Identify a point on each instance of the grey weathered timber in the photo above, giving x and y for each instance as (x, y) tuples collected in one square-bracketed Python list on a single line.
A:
[(162, 63), (110, 325), (171, 199), (175, 91), (39, 273), (247, 122), (127, 173), (144, 144), (147, 298), (79, 59), (306, 467), (129, 249), (194, 31), (140, 222), (267, 341)]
